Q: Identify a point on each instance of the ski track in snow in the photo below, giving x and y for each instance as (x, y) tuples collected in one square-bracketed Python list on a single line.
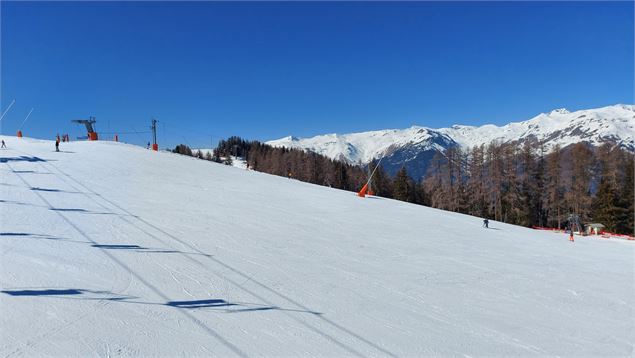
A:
[(230, 345), (233, 348), (99, 305), (312, 285), (30, 343)]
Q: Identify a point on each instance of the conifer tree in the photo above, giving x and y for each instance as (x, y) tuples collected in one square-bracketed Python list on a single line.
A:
[(553, 188), (606, 202), (433, 182), (381, 182), (529, 185), (401, 185), (578, 196), (626, 214), (495, 170), (475, 190), (511, 195)]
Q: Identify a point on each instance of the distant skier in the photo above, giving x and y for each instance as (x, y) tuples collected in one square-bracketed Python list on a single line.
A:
[(3, 145), (57, 144), (486, 223), (148, 147), (573, 223), (570, 227)]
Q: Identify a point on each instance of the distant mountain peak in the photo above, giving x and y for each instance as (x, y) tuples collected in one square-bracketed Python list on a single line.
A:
[(560, 111), (415, 145)]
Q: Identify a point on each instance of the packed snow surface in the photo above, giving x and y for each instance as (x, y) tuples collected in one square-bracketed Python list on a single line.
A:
[(612, 123), (109, 249)]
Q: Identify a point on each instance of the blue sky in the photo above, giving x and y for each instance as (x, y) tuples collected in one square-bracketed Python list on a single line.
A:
[(271, 69)]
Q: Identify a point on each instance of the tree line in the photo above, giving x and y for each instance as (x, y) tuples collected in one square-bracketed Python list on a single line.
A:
[(510, 182), (520, 184)]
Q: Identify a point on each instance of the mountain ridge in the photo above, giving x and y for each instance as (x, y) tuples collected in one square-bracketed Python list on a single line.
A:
[(415, 146)]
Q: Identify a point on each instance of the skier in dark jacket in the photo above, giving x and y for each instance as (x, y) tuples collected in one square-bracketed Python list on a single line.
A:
[(57, 144), (485, 223)]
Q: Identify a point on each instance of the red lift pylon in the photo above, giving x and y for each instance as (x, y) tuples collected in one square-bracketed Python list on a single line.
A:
[(155, 146), (92, 135)]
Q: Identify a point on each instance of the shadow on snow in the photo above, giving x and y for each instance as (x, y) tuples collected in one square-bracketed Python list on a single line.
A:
[(200, 303), (55, 190), (22, 158), (46, 292), (118, 247), (22, 235), (71, 293), (29, 172)]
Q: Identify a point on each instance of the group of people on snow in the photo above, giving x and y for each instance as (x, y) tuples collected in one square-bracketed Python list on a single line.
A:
[(574, 222), (58, 139)]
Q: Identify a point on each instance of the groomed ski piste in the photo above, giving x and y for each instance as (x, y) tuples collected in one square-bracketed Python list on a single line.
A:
[(110, 249)]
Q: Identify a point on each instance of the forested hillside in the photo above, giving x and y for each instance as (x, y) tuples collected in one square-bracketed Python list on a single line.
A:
[(510, 182)]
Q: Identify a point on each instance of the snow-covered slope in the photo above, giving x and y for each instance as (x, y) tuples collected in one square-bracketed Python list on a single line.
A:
[(109, 249), (613, 123), (237, 162)]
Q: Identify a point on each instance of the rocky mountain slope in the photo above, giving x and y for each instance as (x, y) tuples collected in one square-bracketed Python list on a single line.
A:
[(415, 146)]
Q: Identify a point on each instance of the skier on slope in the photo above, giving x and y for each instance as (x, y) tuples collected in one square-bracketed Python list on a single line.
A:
[(3, 145), (486, 223), (57, 144), (573, 222)]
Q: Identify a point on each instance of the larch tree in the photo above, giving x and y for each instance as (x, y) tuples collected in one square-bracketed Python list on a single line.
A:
[(553, 188), (606, 202)]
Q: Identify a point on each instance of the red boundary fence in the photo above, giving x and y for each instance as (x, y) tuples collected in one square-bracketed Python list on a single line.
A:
[(545, 228), (605, 234), (627, 237)]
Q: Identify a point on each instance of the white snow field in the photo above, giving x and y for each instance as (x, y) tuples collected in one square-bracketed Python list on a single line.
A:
[(109, 249)]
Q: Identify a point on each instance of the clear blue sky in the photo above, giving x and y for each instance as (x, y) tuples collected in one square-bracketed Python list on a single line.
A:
[(270, 69)]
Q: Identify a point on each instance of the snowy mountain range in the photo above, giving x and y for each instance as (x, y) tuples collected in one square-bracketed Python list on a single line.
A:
[(415, 146)]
